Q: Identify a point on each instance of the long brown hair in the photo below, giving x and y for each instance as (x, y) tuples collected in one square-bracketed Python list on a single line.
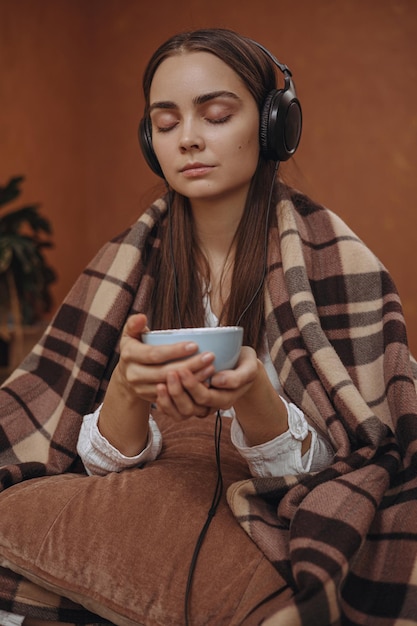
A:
[(181, 265)]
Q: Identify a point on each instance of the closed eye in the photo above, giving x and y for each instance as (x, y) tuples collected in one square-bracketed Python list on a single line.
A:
[(165, 129), (210, 120), (215, 107), (219, 120), (164, 120)]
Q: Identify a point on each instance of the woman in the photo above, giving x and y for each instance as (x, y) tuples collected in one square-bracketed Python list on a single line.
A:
[(205, 136), (323, 397)]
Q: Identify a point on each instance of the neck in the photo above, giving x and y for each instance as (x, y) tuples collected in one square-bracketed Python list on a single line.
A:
[(216, 226)]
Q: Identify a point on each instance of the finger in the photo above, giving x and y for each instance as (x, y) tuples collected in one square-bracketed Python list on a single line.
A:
[(135, 325), (164, 403), (244, 373), (141, 354), (198, 370), (166, 406), (198, 390), (179, 396), (177, 356), (173, 400), (204, 395), (143, 369)]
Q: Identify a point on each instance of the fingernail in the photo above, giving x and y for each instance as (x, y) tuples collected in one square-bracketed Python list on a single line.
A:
[(206, 357), (191, 347)]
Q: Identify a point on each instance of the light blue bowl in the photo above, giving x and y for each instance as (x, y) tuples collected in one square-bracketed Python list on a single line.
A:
[(224, 341)]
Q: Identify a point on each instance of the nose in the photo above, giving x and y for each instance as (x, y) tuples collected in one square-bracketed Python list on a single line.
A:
[(190, 138)]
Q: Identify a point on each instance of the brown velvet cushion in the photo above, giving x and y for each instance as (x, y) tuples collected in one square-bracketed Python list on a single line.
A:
[(121, 545)]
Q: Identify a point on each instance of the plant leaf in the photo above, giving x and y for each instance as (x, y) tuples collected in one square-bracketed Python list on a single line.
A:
[(11, 190)]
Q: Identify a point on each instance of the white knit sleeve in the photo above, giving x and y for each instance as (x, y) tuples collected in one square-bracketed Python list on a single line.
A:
[(10, 619), (282, 455), (100, 457)]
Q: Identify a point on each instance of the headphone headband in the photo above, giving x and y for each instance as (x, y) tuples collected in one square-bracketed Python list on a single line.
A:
[(284, 68), (279, 128)]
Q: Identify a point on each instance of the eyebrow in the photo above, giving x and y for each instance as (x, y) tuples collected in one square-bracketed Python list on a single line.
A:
[(202, 99)]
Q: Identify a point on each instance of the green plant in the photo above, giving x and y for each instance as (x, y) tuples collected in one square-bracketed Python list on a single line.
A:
[(25, 275)]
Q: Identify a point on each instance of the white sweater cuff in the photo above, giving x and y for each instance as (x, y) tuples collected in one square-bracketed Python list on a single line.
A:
[(100, 457), (282, 455), (10, 619)]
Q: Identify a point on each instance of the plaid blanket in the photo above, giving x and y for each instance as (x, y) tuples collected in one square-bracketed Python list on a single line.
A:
[(346, 537)]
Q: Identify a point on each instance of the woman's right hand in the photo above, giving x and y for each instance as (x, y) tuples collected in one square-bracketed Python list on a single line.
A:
[(132, 388), (142, 367)]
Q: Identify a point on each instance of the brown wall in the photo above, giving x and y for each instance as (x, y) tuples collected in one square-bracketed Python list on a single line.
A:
[(70, 102)]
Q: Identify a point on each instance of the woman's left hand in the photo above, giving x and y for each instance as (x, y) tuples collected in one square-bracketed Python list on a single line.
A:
[(184, 395)]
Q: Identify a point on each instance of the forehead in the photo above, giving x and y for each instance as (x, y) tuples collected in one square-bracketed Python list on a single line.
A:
[(192, 73)]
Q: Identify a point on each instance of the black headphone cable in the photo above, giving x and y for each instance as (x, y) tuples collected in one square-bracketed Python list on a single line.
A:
[(218, 492)]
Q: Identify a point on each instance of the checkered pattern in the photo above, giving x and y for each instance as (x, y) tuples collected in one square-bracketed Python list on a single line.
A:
[(346, 538)]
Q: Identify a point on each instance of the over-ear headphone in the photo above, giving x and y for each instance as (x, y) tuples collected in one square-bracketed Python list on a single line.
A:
[(279, 128), (281, 117)]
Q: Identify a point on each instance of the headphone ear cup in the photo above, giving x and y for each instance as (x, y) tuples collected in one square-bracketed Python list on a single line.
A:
[(145, 141), (280, 125)]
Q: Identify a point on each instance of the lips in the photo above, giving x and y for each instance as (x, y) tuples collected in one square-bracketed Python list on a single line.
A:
[(196, 169), (193, 166)]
